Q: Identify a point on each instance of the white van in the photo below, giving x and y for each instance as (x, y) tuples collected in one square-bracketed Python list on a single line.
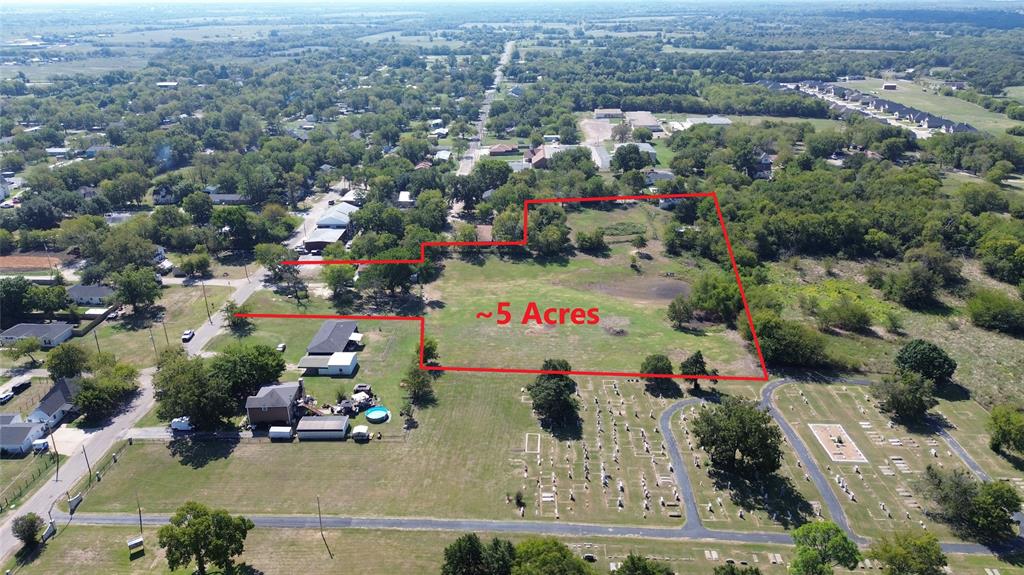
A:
[(181, 424), (360, 433)]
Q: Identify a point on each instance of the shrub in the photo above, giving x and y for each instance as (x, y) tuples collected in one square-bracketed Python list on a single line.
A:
[(994, 310)]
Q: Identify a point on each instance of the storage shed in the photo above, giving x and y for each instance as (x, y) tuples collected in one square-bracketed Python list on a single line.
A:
[(331, 427)]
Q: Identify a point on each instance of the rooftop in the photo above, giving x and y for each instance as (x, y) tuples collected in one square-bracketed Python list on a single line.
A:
[(323, 423), (40, 330), (280, 395), (332, 337)]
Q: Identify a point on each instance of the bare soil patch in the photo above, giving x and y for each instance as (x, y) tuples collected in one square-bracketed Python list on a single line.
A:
[(645, 289), (29, 261)]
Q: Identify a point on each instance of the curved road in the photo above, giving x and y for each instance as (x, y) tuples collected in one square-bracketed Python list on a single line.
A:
[(692, 529)]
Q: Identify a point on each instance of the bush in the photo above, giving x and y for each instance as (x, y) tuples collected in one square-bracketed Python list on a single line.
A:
[(591, 242), (845, 314), (785, 342), (26, 528), (994, 310)]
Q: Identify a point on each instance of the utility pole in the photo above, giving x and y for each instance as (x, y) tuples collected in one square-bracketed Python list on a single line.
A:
[(56, 475), (167, 339), (139, 506), (97, 338), (246, 268), (152, 340), (87, 464), (208, 316), (322, 536)]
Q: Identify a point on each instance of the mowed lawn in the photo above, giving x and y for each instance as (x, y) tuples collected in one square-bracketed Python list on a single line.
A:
[(182, 308), (949, 107), (92, 550), (631, 307)]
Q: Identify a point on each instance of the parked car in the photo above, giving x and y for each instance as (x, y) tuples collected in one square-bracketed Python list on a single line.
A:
[(301, 251), (181, 424), (330, 202), (187, 335), (6, 396), (22, 386), (281, 347)]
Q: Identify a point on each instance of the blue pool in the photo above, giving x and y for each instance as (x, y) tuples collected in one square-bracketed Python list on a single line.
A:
[(378, 414)]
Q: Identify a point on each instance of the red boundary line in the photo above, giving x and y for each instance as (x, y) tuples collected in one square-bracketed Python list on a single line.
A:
[(523, 242)]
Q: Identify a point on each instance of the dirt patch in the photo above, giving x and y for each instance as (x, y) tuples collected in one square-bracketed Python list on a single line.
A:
[(645, 289), (29, 262), (595, 131)]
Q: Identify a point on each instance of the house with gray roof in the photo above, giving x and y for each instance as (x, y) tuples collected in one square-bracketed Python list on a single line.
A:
[(274, 404), (57, 403), (49, 334), (90, 294), (334, 335), (16, 436)]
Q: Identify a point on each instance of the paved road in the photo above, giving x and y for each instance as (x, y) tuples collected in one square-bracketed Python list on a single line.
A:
[(473, 153)]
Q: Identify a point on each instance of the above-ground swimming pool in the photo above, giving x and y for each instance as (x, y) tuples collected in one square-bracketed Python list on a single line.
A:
[(378, 414)]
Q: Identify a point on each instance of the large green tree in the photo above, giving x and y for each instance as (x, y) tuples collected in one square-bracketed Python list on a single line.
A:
[(635, 564), (927, 359), (66, 360), (136, 286), (907, 395), (740, 438), (246, 367), (467, 555), (184, 388), (26, 529), (909, 553), (545, 556), (820, 546), (203, 535), (1006, 428), (553, 394)]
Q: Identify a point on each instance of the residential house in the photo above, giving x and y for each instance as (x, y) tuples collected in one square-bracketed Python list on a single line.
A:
[(90, 294), (405, 200), (552, 138), (652, 176), (87, 192), (516, 91), (332, 349), (57, 403), (338, 216), (274, 404), (502, 149), (16, 436), (442, 156), (763, 168), (49, 334), (57, 152), (320, 238)]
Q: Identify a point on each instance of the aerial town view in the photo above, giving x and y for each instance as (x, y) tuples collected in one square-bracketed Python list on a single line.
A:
[(483, 287)]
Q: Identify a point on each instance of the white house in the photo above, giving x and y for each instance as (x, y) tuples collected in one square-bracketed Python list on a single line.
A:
[(49, 334), (57, 403), (337, 216), (405, 200), (90, 294), (17, 436)]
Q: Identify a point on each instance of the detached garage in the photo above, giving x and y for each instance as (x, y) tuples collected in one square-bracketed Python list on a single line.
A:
[(325, 427), (338, 363)]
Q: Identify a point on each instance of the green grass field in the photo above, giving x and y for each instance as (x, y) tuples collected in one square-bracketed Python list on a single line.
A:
[(92, 550), (182, 308), (631, 307), (948, 107)]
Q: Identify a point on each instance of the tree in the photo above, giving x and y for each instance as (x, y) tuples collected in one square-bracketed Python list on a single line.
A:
[(591, 242), (786, 342), (927, 359), (820, 546), (388, 277), (48, 299), (909, 553), (430, 354), (629, 158), (695, 365), (642, 134), (199, 206), (419, 385), (14, 296), (639, 565), (198, 533), (103, 393), (544, 555), (907, 395), (25, 346), (270, 256), (66, 360), (656, 363), (136, 286), (239, 326), (983, 510), (467, 555), (184, 388), (995, 310), (718, 296), (680, 311), (26, 528), (553, 394), (740, 438), (620, 132), (1006, 428), (246, 367)]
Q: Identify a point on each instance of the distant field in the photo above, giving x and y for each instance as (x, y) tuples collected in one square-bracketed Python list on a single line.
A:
[(948, 107), (411, 40), (1015, 92)]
